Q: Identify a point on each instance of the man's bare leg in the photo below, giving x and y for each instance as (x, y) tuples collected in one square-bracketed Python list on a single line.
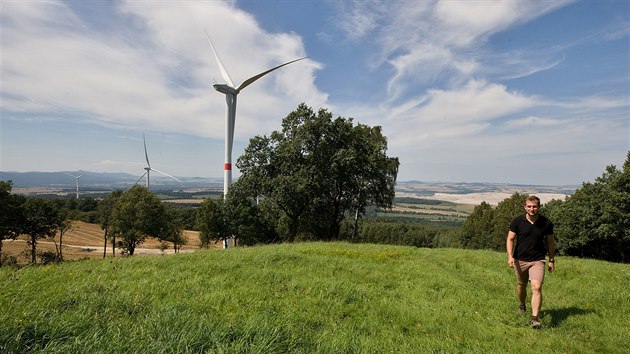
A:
[(536, 297), (521, 293)]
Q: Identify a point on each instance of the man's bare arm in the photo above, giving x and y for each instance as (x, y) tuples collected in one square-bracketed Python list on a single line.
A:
[(511, 236)]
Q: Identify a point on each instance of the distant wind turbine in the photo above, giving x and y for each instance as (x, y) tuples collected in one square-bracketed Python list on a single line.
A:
[(149, 168), (77, 178), (231, 92)]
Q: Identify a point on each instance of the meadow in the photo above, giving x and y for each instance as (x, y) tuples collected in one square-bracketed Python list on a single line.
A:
[(310, 298)]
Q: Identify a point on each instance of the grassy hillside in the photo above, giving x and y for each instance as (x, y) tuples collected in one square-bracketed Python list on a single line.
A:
[(310, 298)]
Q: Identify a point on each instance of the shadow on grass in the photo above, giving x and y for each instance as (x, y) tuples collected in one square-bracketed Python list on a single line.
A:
[(560, 315)]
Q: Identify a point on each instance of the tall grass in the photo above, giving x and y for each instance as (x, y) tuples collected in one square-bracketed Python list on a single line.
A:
[(310, 298)]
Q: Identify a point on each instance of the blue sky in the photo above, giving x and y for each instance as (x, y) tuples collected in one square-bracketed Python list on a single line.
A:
[(530, 92)]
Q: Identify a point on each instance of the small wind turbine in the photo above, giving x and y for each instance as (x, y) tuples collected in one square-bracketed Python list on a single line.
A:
[(149, 168), (231, 92), (77, 178)]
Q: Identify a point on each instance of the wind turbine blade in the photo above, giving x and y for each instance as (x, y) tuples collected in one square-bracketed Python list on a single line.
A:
[(165, 174), (141, 176), (222, 68), (254, 78), (145, 150)]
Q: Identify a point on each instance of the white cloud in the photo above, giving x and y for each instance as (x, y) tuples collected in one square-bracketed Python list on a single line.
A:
[(532, 121), (426, 40), (52, 61)]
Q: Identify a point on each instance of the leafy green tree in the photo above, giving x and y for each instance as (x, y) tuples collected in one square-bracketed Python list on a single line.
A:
[(40, 220), (478, 227), (173, 230), (245, 219), (277, 168), (185, 215), (11, 216), (211, 222), (137, 214), (317, 169), (64, 224), (105, 210), (594, 222), (615, 220)]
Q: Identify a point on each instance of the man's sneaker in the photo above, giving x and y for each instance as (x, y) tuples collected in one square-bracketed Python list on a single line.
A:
[(522, 308), (535, 322)]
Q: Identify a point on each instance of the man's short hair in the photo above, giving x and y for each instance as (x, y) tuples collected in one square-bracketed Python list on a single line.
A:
[(532, 198)]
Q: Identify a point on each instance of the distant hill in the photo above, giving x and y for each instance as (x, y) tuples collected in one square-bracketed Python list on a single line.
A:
[(64, 179), (459, 192)]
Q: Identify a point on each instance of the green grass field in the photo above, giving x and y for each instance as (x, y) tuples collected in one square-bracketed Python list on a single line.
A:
[(310, 298)]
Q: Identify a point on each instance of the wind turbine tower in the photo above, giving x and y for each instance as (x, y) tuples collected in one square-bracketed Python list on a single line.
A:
[(77, 178), (148, 169), (230, 92)]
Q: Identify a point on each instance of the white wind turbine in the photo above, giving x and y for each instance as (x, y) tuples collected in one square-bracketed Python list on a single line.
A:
[(149, 168), (77, 178), (231, 92)]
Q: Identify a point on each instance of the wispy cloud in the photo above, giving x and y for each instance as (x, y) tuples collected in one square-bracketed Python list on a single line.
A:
[(532, 121), (438, 38)]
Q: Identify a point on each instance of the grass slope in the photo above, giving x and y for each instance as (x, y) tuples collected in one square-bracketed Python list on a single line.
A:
[(310, 298)]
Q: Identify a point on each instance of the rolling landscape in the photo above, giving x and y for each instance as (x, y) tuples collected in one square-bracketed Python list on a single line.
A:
[(438, 203), (382, 153), (97, 184)]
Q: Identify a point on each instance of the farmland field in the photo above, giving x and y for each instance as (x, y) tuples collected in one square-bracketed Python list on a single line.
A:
[(85, 240), (426, 210)]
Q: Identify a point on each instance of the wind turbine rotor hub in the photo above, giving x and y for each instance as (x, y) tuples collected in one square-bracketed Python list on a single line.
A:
[(225, 89)]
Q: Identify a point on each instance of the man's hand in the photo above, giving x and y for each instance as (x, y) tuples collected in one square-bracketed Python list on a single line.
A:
[(551, 266), (511, 262)]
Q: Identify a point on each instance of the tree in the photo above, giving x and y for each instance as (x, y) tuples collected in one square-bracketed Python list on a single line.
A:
[(40, 220), (316, 169), (211, 222), (105, 210), (478, 227), (63, 223), (137, 214), (362, 173), (173, 230), (246, 220), (11, 216), (594, 222)]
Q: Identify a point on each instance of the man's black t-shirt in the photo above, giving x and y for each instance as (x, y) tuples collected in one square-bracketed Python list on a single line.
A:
[(531, 238)]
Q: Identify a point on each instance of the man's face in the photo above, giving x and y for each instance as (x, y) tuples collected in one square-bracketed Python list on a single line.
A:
[(531, 208)]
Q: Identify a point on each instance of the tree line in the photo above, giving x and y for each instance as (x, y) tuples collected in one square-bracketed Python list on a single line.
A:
[(594, 222), (127, 219)]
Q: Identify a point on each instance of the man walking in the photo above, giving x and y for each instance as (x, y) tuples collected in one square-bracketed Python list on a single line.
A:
[(534, 238)]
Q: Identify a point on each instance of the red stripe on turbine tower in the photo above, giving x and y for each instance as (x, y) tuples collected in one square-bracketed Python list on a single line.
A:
[(227, 167)]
